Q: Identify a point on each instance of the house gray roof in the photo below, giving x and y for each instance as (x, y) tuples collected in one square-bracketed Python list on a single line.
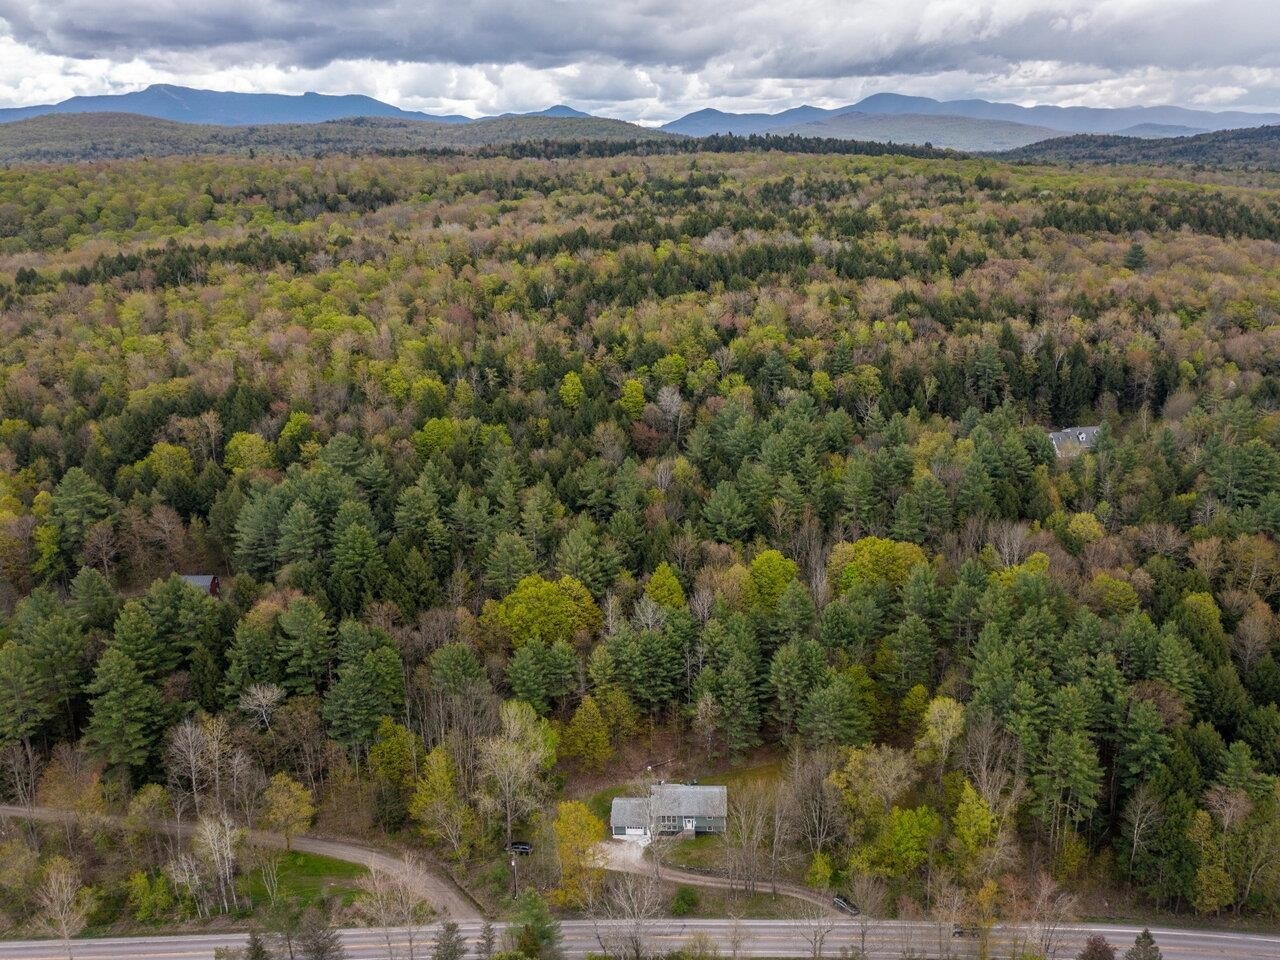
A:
[(629, 812), (669, 800), (686, 800), (1070, 439), (202, 580)]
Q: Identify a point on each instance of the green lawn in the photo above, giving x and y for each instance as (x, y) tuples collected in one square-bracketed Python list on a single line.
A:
[(764, 774), (713, 904), (308, 877), (698, 853)]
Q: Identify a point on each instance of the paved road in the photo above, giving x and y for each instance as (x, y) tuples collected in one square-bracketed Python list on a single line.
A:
[(442, 892), (885, 940)]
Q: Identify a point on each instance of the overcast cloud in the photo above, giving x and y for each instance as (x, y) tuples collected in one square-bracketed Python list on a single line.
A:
[(652, 60)]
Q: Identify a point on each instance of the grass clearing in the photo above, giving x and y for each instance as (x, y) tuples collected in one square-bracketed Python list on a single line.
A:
[(711, 903), (309, 877)]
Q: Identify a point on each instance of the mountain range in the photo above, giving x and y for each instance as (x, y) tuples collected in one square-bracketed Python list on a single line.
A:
[(970, 125), (165, 101), (1130, 121)]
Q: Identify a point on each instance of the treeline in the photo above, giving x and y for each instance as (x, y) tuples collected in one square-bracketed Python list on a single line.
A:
[(1254, 148)]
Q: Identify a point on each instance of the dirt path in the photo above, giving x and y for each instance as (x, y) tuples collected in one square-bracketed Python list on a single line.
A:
[(445, 895), (623, 856)]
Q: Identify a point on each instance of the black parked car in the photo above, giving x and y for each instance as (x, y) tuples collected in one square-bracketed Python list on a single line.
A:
[(840, 903)]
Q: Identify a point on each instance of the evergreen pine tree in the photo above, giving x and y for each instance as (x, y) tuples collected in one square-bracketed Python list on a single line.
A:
[(797, 668), (510, 560), (305, 646), (125, 714), (93, 600), (358, 571), (300, 536), (136, 636), (1136, 256)]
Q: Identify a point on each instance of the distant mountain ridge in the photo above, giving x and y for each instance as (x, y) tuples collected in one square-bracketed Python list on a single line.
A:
[(970, 125), (163, 101), (1065, 120), (1256, 148)]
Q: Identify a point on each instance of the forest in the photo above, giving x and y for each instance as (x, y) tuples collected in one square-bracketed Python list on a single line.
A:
[(520, 474), (1252, 148)]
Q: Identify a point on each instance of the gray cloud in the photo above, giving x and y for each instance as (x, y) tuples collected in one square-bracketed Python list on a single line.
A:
[(653, 58)]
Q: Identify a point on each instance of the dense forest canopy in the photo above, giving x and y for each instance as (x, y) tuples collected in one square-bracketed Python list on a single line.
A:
[(506, 458)]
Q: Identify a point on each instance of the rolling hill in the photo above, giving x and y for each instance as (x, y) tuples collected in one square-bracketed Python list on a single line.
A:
[(1255, 148), (956, 133), (103, 136)]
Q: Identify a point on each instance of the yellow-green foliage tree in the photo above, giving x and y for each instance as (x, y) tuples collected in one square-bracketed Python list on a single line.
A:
[(586, 738), (579, 834), (544, 610), (287, 807), (873, 560)]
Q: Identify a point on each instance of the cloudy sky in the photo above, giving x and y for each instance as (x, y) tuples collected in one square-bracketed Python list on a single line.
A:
[(652, 60)]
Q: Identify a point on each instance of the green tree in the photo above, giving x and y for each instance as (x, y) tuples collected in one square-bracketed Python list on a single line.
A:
[(664, 589), (539, 609), (438, 807), (93, 600), (901, 845), (532, 931), (78, 503), (771, 572), (300, 536), (724, 513), (288, 808), (586, 738), (306, 645), (798, 667), (632, 400), (1135, 257), (136, 636), (366, 690), (510, 560), (1144, 948), (125, 713), (1144, 744), (973, 825), (358, 568), (572, 391), (584, 557), (838, 713)]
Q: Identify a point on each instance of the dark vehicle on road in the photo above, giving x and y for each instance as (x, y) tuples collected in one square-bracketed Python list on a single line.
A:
[(965, 932)]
